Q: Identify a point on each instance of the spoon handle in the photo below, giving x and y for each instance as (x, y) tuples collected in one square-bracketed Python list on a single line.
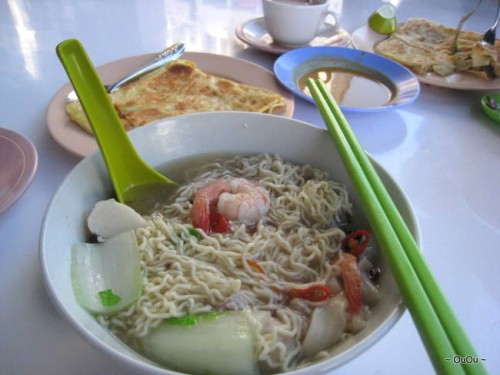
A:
[(126, 168), (171, 53)]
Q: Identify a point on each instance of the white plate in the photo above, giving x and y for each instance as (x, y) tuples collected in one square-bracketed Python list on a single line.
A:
[(365, 39), (398, 80), (18, 163), (77, 141), (254, 33)]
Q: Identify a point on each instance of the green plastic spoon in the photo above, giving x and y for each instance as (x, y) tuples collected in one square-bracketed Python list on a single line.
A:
[(135, 183)]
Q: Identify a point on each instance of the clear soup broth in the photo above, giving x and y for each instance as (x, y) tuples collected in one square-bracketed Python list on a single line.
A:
[(350, 88)]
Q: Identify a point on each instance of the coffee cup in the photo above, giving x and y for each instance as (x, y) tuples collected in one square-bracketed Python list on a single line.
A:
[(296, 22)]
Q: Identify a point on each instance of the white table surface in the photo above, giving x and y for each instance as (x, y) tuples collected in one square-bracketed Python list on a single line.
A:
[(442, 150)]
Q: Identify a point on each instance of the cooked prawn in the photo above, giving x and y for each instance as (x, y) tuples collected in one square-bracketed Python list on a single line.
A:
[(235, 199), (351, 276)]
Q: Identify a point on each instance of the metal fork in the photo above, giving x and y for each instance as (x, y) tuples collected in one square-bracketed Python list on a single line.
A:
[(462, 22), (489, 36)]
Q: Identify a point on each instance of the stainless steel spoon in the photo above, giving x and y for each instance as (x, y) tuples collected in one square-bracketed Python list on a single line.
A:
[(170, 53)]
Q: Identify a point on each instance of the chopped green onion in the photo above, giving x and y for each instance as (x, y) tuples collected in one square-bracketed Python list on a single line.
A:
[(186, 320), (193, 319), (108, 298), (194, 232)]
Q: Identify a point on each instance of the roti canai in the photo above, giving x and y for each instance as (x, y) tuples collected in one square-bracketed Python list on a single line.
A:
[(180, 88), (428, 47)]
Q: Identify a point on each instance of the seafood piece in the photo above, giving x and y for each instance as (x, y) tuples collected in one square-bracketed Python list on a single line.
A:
[(237, 301), (327, 325), (371, 293), (109, 218), (351, 276), (235, 199)]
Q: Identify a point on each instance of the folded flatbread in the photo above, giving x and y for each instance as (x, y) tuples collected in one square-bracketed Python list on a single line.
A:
[(180, 88), (428, 47)]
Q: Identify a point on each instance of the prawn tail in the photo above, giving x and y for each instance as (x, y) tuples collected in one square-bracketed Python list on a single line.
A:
[(200, 214), (351, 276)]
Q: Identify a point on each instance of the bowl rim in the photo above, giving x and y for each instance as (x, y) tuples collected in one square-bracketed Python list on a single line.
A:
[(151, 367)]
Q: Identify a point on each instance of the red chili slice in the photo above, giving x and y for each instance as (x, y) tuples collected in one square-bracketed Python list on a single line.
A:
[(314, 293), (356, 242), (255, 265)]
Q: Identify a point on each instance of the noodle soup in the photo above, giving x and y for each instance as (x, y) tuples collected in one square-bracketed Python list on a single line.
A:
[(274, 289), (180, 138)]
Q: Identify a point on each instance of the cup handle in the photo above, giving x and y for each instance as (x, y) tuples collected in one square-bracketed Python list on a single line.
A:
[(323, 26)]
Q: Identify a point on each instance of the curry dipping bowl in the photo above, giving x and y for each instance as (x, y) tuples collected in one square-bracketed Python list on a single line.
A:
[(174, 139)]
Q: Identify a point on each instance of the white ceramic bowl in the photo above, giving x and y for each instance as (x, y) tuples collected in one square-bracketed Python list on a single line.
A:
[(175, 138)]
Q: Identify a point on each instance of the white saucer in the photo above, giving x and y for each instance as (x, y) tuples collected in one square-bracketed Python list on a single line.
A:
[(254, 33), (18, 163)]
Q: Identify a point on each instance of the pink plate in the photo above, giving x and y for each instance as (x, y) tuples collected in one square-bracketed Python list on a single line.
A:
[(18, 163)]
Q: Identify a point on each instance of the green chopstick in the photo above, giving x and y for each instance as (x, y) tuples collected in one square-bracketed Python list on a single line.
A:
[(442, 334)]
